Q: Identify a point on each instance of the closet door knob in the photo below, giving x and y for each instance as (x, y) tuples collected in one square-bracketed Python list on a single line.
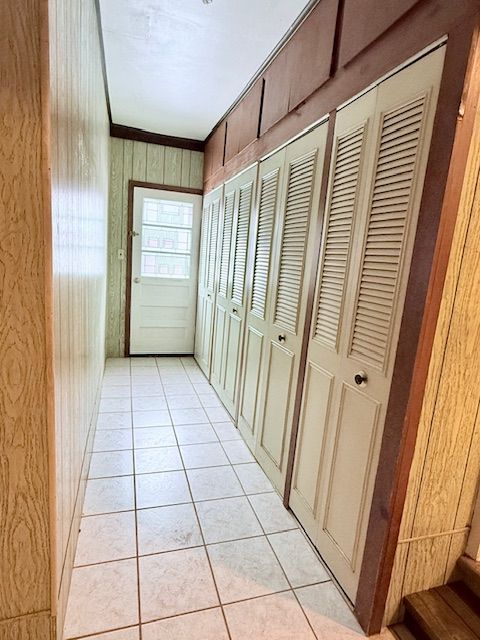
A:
[(136, 280), (234, 311), (361, 378), (282, 337)]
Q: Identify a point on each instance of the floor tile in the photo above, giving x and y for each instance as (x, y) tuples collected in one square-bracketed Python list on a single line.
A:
[(217, 414), (118, 391), (195, 434), (149, 403), (160, 489), (114, 421), (238, 452), (272, 514), (201, 625), (159, 459), (105, 538), (245, 569), (143, 362), (148, 437), (144, 390), (188, 416), (227, 431), (146, 379), (209, 400), (276, 617), (174, 583), (196, 456), (168, 361), (172, 377), (107, 464), (196, 376), (184, 402), (160, 418), (329, 614), (144, 370), (179, 389), (103, 597), (203, 387), (112, 440), (252, 478), (168, 529), (114, 378), (297, 558), (111, 405), (227, 519), (133, 633), (107, 495), (214, 482)]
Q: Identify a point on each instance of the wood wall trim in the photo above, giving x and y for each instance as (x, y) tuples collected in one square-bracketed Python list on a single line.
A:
[(132, 133), (417, 332), (128, 298)]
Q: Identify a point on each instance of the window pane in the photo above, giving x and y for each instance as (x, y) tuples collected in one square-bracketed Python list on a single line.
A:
[(163, 265), (178, 214), (163, 238)]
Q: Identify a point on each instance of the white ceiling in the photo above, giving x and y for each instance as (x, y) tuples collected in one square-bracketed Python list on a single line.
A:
[(175, 66)]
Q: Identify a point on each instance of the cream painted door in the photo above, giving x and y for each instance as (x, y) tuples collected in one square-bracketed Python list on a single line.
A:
[(294, 241), (207, 274), (166, 229), (376, 179), (260, 294), (229, 328)]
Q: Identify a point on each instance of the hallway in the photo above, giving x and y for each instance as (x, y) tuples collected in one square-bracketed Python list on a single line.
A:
[(181, 524)]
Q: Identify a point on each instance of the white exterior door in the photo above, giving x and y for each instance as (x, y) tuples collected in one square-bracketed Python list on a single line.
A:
[(292, 256), (165, 238), (378, 164)]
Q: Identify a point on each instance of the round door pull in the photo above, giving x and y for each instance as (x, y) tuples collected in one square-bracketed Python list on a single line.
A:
[(282, 337), (137, 280), (361, 378), (234, 311)]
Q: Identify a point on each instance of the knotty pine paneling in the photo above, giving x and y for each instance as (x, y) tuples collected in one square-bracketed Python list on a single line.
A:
[(25, 395), (34, 627), (79, 184), (444, 475), (141, 161)]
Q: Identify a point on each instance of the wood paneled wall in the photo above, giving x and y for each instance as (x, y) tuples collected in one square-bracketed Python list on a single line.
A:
[(25, 343), (145, 162), (342, 47), (444, 476), (79, 155)]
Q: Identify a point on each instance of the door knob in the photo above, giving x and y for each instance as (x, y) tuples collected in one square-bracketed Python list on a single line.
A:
[(361, 378), (282, 337), (134, 233), (137, 280), (234, 311)]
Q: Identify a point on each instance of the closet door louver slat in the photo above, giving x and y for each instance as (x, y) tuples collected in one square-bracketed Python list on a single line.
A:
[(212, 246), (385, 238), (226, 242), (263, 246), (203, 247), (241, 243), (295, 231), (338, 229)]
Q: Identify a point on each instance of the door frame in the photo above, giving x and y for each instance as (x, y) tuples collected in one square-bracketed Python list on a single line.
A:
[(128, 291), (437, 216)]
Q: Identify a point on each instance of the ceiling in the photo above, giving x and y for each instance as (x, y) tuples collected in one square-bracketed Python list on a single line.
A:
[(175, 66)]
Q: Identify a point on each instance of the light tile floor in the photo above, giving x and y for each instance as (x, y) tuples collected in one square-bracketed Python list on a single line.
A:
[(183, 537)]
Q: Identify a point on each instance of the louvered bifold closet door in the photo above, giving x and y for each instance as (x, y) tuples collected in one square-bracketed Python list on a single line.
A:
[(355, 330), (238, 212), (207, 282), (294, 243), (259, 294), (222, 286), (202, 267)]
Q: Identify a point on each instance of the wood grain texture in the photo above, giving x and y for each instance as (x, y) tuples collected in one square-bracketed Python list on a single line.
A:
[(444, 474), (79, 181), (133, 160), (35, 627), (24, 319)]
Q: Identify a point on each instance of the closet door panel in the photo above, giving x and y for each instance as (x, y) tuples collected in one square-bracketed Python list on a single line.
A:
[(293, 253), (261, 251)]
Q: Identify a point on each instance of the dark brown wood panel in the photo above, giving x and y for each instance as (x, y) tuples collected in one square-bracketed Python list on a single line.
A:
[(310, 52), (140, 135), (365, 20), (214, 150), (277, 90), (243, 122)]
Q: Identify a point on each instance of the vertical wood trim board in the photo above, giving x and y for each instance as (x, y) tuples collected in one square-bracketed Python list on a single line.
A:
[(25, 536), (145, 162), (444, 475)]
